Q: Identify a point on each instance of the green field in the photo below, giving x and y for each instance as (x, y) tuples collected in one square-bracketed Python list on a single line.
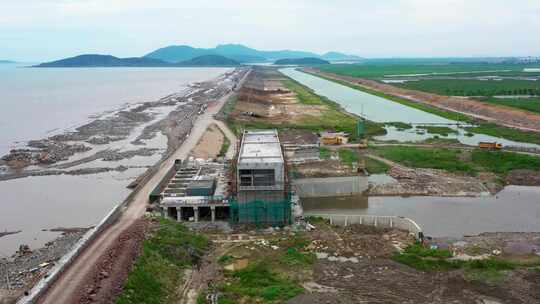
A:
[(382, 70), (468, 87), (452, 160), (527, 104), (159, 270), (444, 131)]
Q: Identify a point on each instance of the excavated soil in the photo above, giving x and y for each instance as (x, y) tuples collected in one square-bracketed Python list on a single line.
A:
[(210, 144), (109, 276)]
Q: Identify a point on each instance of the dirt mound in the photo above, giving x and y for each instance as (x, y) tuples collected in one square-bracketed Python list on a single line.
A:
[(523, 177), (107, 280)]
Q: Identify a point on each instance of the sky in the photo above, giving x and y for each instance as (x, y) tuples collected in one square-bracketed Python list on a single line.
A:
[(41, 30)]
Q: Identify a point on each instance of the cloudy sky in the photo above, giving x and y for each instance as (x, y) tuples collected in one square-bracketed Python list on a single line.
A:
[(38, 30)]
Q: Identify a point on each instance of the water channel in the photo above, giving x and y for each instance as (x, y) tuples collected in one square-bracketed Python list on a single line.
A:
[(382, 110), (514, 209)]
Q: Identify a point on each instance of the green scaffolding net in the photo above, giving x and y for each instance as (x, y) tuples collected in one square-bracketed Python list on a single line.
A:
[(261, 213)]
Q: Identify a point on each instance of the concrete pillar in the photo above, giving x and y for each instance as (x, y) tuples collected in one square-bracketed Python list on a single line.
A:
[(213, 209), (196, 213), (179, 214)]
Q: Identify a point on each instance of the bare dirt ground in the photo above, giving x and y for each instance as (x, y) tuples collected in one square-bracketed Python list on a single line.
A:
[(322, 168), (107, 279), (375, 278), (265, 99), (210, 144), (354, 265), (500, 115), (432, 182)]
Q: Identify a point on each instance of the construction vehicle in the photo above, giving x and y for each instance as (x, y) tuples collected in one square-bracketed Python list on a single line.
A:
[(334, 138), (490, 145)]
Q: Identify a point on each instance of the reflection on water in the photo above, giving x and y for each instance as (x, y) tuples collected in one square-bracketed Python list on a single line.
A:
[(515, 209)]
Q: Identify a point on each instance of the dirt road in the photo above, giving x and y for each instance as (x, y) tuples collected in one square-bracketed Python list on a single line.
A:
[(66, 289)]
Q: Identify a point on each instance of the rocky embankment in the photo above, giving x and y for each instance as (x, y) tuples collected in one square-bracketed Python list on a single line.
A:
[(27, 266)]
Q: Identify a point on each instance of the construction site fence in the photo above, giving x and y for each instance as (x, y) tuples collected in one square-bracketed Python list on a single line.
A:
[(261, 213), (383, 221)]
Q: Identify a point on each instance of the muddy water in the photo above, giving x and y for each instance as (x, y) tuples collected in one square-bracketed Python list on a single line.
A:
[(379, 109), (514, 209)]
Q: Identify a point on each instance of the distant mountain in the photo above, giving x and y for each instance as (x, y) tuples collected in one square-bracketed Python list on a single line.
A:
[(335, 56), (209, 60), (6, 61), (238, 52), (179, 53), (95, 60), (302, 61)]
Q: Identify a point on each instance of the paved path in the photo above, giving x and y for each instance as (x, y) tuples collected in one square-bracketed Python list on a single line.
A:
[(70, 282)]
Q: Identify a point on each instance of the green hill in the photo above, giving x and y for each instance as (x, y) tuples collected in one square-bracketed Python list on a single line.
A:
[(209, 60), (95, 60)]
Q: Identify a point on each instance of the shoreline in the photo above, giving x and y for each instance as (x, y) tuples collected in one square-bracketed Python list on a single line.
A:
[(105, 137), (215, 88)]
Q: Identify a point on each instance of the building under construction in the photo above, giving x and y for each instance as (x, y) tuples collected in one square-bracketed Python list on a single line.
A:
[(253, 189), (262, 195)]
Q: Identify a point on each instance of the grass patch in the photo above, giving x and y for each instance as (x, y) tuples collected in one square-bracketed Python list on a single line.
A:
[(374, 166), (444, 131), (399, 125), (224, 147), (260, 284), (503, 162), (225, 259), (449, 160), (446, 159), (426, 259), (507, 133), (324, 153), (159, 269), (348, 157), (304, 94)]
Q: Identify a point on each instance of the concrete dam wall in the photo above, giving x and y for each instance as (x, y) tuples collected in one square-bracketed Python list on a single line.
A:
[(330, 186)]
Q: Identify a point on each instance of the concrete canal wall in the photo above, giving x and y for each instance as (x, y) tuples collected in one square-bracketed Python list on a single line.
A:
[(330, 186)]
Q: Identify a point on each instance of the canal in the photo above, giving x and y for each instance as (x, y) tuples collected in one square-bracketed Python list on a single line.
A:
[(382, 110)]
